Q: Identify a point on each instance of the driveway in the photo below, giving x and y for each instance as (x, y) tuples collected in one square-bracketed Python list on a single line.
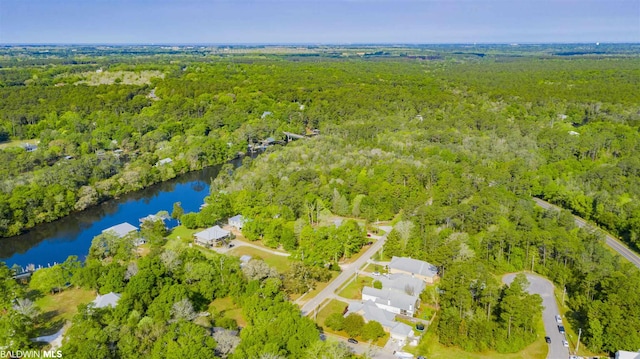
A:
[(347, 272), (543, 287), (609, 239)]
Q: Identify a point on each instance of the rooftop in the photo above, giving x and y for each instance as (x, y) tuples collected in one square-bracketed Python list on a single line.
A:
[(121, 229), (402, 283), (212, 234), (107, 300), (413, 266), (391, 297)]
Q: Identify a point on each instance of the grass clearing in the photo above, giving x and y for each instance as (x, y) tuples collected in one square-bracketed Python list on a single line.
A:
[(227, 308), (354, 289), (16, 143), (119, 77), (59, 308), (280, 263), (431, 348)]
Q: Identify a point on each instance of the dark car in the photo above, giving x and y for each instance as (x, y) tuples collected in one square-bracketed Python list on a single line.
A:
[(352, 341), (547, 339), (561, 329)]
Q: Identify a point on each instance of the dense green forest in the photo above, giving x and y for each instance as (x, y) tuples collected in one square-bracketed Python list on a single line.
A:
[(450, 149)]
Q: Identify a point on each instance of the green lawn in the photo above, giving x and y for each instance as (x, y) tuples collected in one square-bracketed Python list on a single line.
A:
[(15, 143), (354, 289), (431, 348), (280, 263), (227, 308), (240, 237), (58, 308)]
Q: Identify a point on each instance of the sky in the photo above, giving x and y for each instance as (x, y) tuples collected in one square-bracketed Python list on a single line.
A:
[(317, 21)]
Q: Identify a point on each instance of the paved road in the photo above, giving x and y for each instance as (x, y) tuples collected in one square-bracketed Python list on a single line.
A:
[(361, 348), (609, 239), (543, 287), (347, 272)]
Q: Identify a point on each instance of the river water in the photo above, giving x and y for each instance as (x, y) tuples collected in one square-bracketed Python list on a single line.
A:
[(72, 235)]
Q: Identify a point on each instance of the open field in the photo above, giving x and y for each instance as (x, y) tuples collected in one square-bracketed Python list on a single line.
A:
[(59, 308), (354, 289), (280, 263), (225, 307), (119, 77)]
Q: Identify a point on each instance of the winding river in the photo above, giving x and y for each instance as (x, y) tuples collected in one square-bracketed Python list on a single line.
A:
[(72, 235)]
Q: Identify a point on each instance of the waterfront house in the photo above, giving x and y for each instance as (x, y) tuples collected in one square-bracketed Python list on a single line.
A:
[(121, 230)]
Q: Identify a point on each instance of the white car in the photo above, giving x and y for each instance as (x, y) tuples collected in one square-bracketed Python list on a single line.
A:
[(376, 273), (565, 343), (559, 319)]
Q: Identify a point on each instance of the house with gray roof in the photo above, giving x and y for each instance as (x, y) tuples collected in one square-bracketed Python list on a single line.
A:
[(391, 300), (121, 230), (403, 283), (415, 268), (369, 311), (211, 236), (623, 354), (237, 221), (108, 300)]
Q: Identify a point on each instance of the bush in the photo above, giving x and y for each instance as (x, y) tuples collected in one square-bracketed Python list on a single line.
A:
[(335, 321)]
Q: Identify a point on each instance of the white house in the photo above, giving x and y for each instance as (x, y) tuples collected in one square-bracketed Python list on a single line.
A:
[(210, 236), (164, 161), (402, 333), (415, 268), (391, 300), (107, 300), (121, 229), (622, 354), (237, 221)]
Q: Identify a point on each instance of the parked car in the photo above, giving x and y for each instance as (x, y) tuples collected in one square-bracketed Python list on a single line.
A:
[(565, 343), (352, 341), (561, 329), (559, 319), (368, 234), (547, 339), (376, 273)]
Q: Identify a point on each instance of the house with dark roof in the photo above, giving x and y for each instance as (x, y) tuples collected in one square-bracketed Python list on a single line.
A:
[(415, 268)]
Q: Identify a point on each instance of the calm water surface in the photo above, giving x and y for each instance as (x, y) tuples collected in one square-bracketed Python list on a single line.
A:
[(72, 235)]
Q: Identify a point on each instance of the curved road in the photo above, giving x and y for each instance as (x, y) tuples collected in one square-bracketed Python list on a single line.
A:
[(609, 239), (543, 287), (347, 272)]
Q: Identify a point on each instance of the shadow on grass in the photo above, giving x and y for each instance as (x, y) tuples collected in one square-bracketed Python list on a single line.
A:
[(49, 326)]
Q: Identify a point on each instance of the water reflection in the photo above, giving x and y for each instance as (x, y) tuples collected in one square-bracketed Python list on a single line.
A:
[(72, 235)]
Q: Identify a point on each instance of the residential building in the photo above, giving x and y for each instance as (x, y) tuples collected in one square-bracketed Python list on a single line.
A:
[(108, 300), (237, 222), (391, 300), (211, 236), (623, 354), (403, 283), (413, 267), (121, 230)]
